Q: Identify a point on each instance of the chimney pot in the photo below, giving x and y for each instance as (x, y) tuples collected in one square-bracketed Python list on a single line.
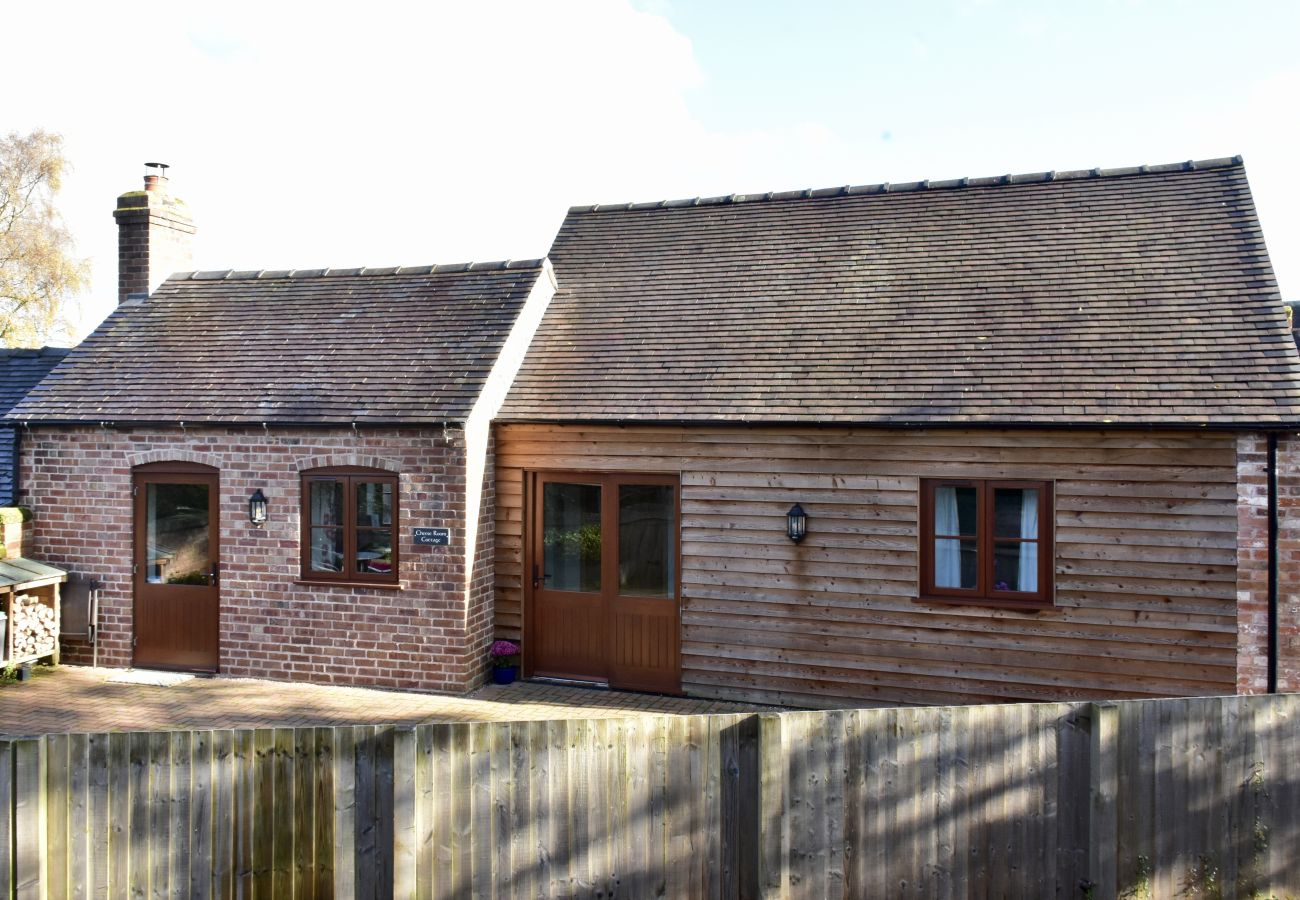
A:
[(155, 176)]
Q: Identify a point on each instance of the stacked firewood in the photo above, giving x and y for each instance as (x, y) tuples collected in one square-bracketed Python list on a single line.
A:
[(34, 629)]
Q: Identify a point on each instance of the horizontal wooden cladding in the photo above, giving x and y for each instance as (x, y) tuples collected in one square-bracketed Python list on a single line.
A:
[(1145, 528), (995, 676)]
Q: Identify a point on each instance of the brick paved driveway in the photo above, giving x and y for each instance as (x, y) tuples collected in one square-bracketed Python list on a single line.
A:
[(75, 698)]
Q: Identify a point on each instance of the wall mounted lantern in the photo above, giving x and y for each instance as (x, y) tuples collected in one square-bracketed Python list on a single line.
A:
[(796, 523), (257, 508)]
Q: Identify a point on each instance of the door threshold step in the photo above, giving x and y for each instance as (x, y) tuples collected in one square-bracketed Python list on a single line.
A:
[(570, 682), (153, 677)]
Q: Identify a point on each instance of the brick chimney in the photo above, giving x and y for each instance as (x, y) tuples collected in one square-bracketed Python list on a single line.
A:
[(154, 235)]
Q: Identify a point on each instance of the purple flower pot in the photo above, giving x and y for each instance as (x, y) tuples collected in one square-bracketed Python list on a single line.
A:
[(504, 674)]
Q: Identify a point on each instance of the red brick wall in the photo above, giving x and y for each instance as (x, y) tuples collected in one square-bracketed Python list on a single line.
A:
[(1252, 563), (482, 584), (154, 239), (78, 482)]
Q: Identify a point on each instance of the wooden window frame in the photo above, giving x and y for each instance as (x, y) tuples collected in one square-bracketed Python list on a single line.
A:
[(983, 593), (350, 476)]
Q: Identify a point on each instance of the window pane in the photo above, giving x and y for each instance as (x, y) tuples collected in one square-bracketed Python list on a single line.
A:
[(1015, 513), (646, 546), (571, 536), (955, 510), (326, 502), (956, 564), (327, 549), (176, 521), (374, 503), (1015, 566), (374, 551)]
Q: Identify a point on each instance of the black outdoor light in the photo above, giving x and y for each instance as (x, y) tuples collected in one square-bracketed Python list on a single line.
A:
[(257, 508), (796, 523)]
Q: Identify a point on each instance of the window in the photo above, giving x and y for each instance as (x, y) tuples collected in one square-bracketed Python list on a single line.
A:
[(987, 541), (349, 519)]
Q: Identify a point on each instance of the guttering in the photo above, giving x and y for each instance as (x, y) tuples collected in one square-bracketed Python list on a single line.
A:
[(1272, 562), (627, 422), (245, 423)]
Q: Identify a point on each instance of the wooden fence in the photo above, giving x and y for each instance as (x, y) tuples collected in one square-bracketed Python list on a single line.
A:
[(1151, 799)]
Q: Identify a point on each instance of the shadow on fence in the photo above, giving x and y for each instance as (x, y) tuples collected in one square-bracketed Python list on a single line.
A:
[(1150, 798)]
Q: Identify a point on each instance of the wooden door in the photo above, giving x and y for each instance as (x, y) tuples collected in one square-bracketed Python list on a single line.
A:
[(175, 567), (567, 637), (603, 558)]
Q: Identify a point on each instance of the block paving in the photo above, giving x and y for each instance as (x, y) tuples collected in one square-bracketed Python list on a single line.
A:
[(82, 699)]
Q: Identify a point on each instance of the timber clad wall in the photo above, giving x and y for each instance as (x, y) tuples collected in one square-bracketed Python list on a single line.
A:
[(1146, 545), (422, 636)]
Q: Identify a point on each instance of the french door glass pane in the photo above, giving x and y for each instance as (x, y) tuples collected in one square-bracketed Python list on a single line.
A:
[(1015, 513), (326, 502), (327, 549), (956, 563), (176, 522), (374, 551), (646, 546), (374, 503), (571, 536)]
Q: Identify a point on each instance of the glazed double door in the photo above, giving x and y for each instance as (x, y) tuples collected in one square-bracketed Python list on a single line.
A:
[(603, 561)]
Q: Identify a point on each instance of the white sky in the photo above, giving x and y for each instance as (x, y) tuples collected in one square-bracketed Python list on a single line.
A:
[(307, 135)]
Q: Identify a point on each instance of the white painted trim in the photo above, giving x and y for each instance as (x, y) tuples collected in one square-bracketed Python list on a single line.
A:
[(478, 424)]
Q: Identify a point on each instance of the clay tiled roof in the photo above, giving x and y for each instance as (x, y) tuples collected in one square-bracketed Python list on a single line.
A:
[(372, 346), (1129, 296)]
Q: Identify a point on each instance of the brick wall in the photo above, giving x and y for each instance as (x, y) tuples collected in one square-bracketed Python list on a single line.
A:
[(1252, 563), (154, 239), (481, 623), (429, 635)]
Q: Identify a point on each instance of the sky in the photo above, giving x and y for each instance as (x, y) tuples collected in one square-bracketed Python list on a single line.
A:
[(310, 135)]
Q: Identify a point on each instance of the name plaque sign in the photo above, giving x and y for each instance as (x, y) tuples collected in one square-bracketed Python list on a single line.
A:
[(433, 537)]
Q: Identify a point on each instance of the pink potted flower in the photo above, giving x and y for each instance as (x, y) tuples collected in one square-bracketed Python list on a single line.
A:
[(505, 666)]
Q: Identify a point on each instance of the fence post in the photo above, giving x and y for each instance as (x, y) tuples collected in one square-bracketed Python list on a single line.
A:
[(6, 818), (405, 845), (1103, 778), (29, 819), (771, 822), (343, 757)]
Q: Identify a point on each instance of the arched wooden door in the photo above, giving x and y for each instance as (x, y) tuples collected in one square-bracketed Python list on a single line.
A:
[(604, 598), (176, 571)]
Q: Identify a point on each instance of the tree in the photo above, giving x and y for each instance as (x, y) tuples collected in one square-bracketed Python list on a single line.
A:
[(39, 275)]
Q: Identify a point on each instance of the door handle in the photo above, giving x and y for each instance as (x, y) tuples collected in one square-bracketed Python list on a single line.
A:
[(214, 574), (537, 577)]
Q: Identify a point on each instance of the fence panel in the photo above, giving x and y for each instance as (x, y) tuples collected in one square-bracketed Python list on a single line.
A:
[(1207, 797), (1133, 798)]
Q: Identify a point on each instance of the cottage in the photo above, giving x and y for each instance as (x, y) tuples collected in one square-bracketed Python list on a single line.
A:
[(993, 439), (282, 474), (1028, 419)]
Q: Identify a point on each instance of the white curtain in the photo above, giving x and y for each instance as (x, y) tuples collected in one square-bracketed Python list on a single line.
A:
[(947, 551), (1028, 577)]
